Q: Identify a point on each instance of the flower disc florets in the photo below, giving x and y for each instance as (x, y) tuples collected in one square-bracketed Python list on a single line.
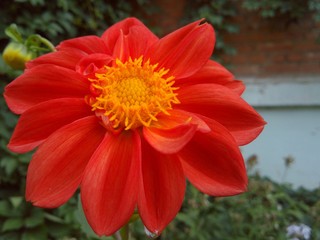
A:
[(132, 93)]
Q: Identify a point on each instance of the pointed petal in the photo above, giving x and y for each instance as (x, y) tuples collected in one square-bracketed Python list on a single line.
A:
[(169, 141), (42, 83), (56, 168), (185, 50), (110, 36), (134, 44), (213, 72), (213, 162), (177, 118), (244, 137), (171, 132), (221, 104), (86, 44), (140, 39), (162, 189), (236, 86), (121, 48), (110, 184), (37, 123), (67, 58), (133, 34)]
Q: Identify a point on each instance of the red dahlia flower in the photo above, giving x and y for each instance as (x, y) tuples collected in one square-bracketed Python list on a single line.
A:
[(127, 117)]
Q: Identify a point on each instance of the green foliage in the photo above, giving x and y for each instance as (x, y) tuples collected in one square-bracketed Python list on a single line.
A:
[(293, 9), (264, 212), (61, 19)]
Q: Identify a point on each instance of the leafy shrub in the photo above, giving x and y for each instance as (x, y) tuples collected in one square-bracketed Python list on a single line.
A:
[(293, 9), (59, 20), (264, 212)]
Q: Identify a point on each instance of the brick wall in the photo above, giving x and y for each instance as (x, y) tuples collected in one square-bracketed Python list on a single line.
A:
[(265, 47), (268, 47)]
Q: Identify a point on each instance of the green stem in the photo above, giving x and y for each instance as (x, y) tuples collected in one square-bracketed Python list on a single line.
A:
[(35, 41), (48, 44), (122, 234)]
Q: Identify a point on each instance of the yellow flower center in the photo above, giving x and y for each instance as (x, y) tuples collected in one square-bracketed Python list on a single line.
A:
[(132, 93)]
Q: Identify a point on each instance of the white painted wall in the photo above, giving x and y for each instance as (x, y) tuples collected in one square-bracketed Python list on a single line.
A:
[(292, 111)]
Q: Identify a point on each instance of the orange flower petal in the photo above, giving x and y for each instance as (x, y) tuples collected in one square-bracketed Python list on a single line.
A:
[(86, 44), (162, 189), (213, 72), (67, 58), (140, 39), (121, 48), (177, 118), (37, 123), (221, 104), (169, 141), (42, 83), (213, 162), (56, 168), (172, 132), (236, 86), (185, 50), (244, 137), (91, 63), (110, 184), (129, 37)]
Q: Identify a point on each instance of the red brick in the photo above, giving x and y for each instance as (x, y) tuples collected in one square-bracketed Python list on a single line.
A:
[(238, 59), (277, 57), (307, 46), (295, 57), (258, 57), (271, 47), (313, 56), (275, 46), (245, 70), (244, 47)]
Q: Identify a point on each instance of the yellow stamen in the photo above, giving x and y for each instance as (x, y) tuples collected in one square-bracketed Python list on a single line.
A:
[(132, 93)]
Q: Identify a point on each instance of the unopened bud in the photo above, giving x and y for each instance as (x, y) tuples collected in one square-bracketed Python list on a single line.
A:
[(16, 55)]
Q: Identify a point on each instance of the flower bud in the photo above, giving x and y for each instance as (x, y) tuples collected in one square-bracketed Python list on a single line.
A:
[(16, 55)]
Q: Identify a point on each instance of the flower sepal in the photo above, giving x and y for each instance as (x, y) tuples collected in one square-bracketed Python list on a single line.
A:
[(19, 51)]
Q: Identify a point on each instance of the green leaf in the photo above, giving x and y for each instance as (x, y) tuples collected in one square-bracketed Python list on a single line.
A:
[(36, 218), (12, 224), (39, 233), (53, 218), (58, 230), (10, 236), (5, 208), (13, 32), (9, 164), (25, 158), (83, 221), (16, 201)]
